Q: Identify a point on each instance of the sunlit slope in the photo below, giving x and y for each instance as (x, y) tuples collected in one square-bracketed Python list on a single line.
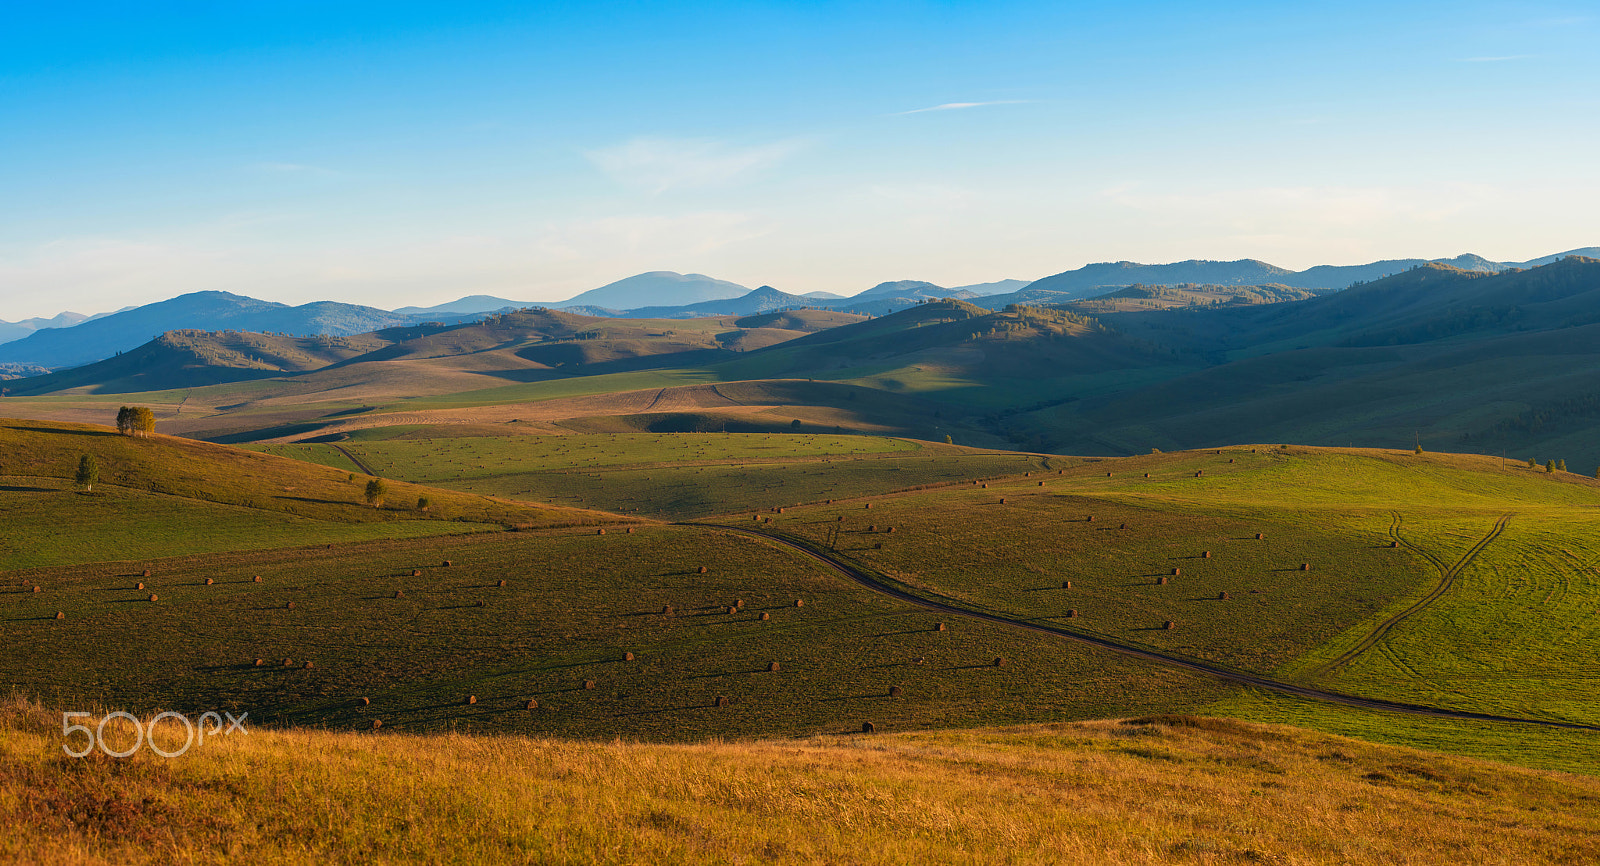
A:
[(1353, 543), (160, 495), (1168, 790)]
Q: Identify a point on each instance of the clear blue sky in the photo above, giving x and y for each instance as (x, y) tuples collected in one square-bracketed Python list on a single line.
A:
[(396, 153)]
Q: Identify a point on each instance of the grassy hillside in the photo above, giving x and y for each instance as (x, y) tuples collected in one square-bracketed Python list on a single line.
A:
[(1100, 792)]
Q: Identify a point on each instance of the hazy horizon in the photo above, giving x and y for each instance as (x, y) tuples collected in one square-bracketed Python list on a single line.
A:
[(407, 156)]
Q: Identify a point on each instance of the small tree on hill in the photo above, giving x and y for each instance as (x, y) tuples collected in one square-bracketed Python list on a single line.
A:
[(88, 473), (1561, 465), (135, 421), (1549, 466), (948, 440), (376, 490), (422, 503), (1532, 463)]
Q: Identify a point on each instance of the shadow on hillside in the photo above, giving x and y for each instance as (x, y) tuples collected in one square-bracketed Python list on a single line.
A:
[(18, 489)]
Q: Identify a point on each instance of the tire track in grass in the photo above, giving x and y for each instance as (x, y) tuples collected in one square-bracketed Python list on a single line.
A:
[(354, 459), (885, 586), (1447, 579)]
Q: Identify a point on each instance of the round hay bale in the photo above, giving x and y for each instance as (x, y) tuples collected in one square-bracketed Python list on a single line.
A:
[(288, 663), (799, 602), (1230, 459), (1122, 526), (1072, 614), (1108, 474), (376, 724), (1205, 555), (701, 570), (841, 518), (765, 616), (627, 657), (154, 597), (890, 529), (1394, 544), (666, 609), (868, 728), (146, 573), (416, 572), (772, 667), (500, 582), (873, 528), (1002, 500), (210, 581), (1199, 472), (1161, 581), (533, 705), (985, 487), (1147, 475), (139, 585), (288, 605), (1260, 535), (1176, 571), (630, 530), (939, 627), (472, 699), (1066, 584), (1027, 475), (599, 532), (260, 662), (999, 661), (918, 660), (399, 593), (446, 564), (780, 509), (739, 603), (722, 700), (732, 609), (877, 545), (1223, 596), (1305, 566), (479, 603), (1170, 625), (37, 588), (309, 665), (588, 685), (1041, 484), (869, 505), (60, 615), (894, 691), (366, 702), (256, 579)]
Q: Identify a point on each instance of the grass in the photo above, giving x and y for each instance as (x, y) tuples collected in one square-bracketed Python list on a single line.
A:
[(674, 476), (572, 606), (1095, 792)]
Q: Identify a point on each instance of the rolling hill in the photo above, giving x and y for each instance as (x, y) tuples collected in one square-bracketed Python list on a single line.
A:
[(655, 289)]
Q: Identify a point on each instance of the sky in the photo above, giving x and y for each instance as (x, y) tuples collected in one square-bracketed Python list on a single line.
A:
[(402, 153)]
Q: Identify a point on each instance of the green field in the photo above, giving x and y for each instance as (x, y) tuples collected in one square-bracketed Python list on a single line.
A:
[(670, 476)]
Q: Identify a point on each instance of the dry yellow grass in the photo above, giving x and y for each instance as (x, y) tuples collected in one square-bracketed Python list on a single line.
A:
[(1176, 790)]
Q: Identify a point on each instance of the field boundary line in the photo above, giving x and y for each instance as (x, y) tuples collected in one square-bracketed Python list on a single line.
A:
[(885, 586)]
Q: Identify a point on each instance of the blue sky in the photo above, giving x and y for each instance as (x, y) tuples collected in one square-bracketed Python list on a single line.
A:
[(398, 153)]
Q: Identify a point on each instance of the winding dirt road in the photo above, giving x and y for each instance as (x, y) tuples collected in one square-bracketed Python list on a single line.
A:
[(883, 587)]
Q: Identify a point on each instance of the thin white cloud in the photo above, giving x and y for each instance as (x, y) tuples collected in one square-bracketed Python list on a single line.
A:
[(957, 106), (658, 165), (1500, 59)]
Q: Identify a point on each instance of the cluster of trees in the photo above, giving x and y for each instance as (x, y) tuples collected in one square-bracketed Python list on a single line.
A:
[(135, 421)]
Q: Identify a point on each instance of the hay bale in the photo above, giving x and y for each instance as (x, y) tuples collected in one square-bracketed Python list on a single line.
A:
[(416, 572), (1122, 526), (732, 609), (60, 615), (1072, 614), (1161, 581), (588, 685), (1066, 584), (288, 605), (399, 593), (1205, 554), (1170, 625), (765, 616), (500, 582), (627, 657), (1199, 472), (472, 699), (260, 662), (210, 582), (890, 529), (1305, 566), (139, 585), (37, 588), (479, 603), (772, 667), (873, 528), (999, 661), (154, 597), (666, 610), (1260, 535), (256, 579), (722, 700), (799, 602), (533, 705), (288, 663), (630, 530), (1230, 459), (446, 564), (939, 627), (376, 724), (599, 532), (869, 505), (894, 691), (701, 570), (1176, 571), (309, 665), (1394, 544), (868, 728), (1041, 484), (1002, 500), (918, 660), (780, 509), (146, 573), (1147, 475), (366, 702)]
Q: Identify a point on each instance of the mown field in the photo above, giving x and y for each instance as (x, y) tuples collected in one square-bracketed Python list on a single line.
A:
[(670, 476), (1172, 789)]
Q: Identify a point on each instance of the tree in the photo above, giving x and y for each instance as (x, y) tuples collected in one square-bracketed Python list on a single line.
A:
[(1532, 463), (88, 472), (795, 423), (1549, 466), (422, 503), (376, 490), (1561, 465), (135, 420), (948, 440)]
